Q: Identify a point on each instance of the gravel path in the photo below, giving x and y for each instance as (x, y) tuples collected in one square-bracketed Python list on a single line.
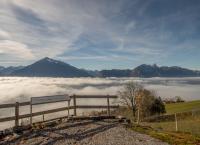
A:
[(86, 133)]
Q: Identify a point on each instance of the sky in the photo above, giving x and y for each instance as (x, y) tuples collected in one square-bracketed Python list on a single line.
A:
[(101, 34)]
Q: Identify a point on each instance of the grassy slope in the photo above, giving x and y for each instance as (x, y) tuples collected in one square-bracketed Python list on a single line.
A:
[(189, 128), (173, 138), (182, 107), (190, 124)]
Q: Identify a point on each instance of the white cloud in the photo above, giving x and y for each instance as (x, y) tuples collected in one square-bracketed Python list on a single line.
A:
[(15, 49), (65, 24), (56, 28), (4, 34)]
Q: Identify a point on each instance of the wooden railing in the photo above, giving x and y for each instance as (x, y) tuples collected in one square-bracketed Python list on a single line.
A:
[(17, 105)]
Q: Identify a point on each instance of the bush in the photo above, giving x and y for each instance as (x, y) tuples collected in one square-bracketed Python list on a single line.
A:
[(178, 99), (158, 107)]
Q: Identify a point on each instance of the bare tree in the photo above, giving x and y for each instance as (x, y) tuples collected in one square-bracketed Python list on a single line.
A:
[(129, 94), (144, 102), (141, 101)]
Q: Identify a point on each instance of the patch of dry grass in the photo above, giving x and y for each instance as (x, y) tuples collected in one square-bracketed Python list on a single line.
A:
[(175, 138)]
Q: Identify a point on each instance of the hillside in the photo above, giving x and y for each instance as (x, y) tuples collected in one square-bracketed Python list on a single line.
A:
[(182, 107)]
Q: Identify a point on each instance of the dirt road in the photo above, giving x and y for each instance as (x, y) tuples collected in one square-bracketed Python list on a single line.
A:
[(85, 133)]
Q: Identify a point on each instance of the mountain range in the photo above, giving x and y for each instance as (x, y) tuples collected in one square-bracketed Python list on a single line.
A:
[(48, 67)]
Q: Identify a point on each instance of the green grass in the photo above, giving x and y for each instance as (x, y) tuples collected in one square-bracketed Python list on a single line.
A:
[(174, 138), (182, 107), (189, 123)]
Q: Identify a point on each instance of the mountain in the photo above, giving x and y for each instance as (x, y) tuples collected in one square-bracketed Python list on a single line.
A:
[(147, 71), (93, 73), (115, 73), (50, 68), (164, 71), (1, 68), (9, 70)]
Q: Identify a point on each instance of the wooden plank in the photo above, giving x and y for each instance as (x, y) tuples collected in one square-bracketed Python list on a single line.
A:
[(96, 106), (16, 114), (108, 103), (96, 96), (56, 110), (2, 106), (10, 105), (35, 114), (31, 114), (24, 103), (92, 117), (28, 103), (68, 111), (74, 98), (13, 105), (7, 119), (49, 99), (44, 112)]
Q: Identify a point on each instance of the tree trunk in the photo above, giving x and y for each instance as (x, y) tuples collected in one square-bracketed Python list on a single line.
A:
[(133, 108)]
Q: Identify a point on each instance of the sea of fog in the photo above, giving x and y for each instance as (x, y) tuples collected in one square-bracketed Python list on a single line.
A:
[(14, 89), (21, 89)]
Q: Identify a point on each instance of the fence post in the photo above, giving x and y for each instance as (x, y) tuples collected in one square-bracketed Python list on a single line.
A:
[(176, 122), (192, 112), (138, 115), (68, 109), (74, 97), (43, 117), (108, 103), (31, 121), (16, 114)]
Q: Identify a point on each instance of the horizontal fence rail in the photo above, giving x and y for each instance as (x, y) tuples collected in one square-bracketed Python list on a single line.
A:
[(95, 107), (94, 96), (3, 106), (16, 106)]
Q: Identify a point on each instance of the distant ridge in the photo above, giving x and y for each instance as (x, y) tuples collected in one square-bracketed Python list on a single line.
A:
[(6, 71), (164, 71), (48, 67), (147, 71)]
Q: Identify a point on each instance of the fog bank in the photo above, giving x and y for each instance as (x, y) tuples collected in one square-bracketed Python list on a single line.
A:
[(14, 89)]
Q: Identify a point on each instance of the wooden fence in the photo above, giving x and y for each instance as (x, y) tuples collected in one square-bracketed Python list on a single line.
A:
[(75, 106)]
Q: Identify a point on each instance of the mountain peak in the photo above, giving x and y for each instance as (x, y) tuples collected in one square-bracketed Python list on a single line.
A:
[(49, 60), (46, 58), (48, 67)]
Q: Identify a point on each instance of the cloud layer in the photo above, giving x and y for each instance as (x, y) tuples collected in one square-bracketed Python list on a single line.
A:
[(14, 89)]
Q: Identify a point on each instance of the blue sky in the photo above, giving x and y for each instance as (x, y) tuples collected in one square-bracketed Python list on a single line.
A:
[(101, 34)]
